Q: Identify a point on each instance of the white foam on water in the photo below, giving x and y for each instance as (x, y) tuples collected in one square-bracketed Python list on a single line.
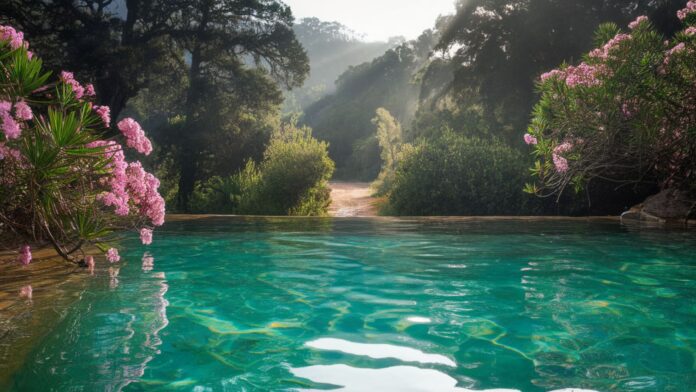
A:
[(391, 379), (379, 351)]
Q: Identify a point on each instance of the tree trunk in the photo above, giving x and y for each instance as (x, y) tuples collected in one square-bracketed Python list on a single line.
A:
[(188, 164)]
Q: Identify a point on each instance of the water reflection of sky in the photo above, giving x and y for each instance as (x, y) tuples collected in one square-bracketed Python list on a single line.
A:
[(403, 378)]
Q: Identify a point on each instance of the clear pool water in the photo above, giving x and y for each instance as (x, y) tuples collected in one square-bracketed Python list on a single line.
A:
[(381, 305)]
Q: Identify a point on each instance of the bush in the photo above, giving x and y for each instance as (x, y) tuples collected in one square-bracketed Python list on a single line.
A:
[(291, 180), (456, 175), (624, 115), (390, 139), (59, 183)]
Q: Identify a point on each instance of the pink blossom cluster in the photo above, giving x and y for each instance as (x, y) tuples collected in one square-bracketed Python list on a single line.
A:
[(583, 75), (80, 91), (690, 8), (13, 37), (633, 25), (604, 51), (131, 183), (143, 188), (104, 112), (529, 139), (560, 162), (680, 47), (135, 136), (118, 196), (6, 151), (10, 126), (553, 74), (691, 30), (23, 111)]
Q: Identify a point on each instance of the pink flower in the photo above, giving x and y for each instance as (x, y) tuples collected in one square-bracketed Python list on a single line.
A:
[(529, 139), (552, 74), (603, 52), (583, 75), (668, 57), (13, 37), (112, 255), (26, 292), (637, 22), (24, 255), (9, 152), (89, 260), (563, 147), (560, 163), (146, 236), (9, 126), (135, 136), (143, 188), (691, 30), (89, 90), (690, 8), (23, 111), (30, 54), (117, 196), (69, 79), (105, 113)]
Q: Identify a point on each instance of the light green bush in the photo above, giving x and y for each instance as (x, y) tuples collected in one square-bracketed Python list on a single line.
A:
[(291, 180)]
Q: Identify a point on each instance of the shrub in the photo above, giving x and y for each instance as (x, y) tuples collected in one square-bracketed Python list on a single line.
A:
[(456, 175), (390, 139), (61, 184), (291, 180), (236, 194), (626, 114)]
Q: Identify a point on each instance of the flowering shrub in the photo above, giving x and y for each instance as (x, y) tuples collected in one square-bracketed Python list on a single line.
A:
[(60, 183), (626, 114)]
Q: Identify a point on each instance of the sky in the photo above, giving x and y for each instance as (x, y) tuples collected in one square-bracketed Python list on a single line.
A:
[(377, 20)]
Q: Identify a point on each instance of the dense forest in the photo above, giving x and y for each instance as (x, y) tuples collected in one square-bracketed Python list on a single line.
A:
[(472, 81), (252, 112)]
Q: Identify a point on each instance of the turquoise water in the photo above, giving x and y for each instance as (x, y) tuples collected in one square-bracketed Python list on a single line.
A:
[(382, 305)]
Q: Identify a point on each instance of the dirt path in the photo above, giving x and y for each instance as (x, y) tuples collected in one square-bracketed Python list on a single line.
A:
[(352, 199)]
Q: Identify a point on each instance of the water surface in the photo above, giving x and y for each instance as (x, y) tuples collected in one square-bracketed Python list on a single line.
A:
[(233, 304)]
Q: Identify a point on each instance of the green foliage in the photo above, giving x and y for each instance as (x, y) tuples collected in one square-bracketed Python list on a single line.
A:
[(456, 175), (631, 124), (291, 180), (222, 78), (344, 118), (52, 178), (390, 139), (499, 48)]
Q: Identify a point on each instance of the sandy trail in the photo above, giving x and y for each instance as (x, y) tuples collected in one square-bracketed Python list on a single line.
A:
[(352, 199)]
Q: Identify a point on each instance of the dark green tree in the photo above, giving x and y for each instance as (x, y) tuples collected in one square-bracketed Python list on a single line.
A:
[(499, 48), (235, 48), (117, 45)]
